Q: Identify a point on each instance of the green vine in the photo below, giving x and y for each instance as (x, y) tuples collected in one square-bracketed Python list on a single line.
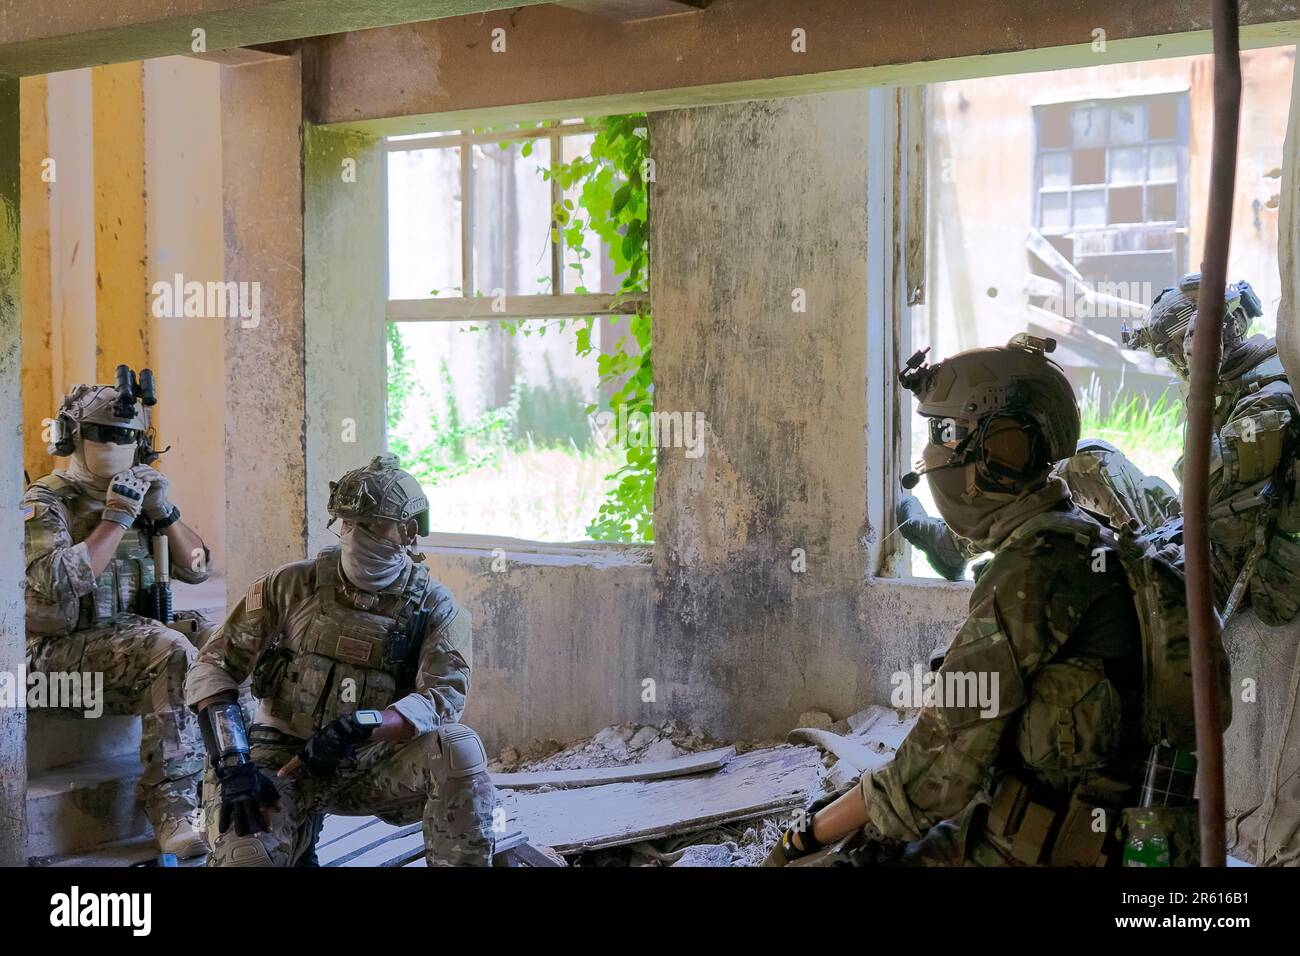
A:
[(613, 202)]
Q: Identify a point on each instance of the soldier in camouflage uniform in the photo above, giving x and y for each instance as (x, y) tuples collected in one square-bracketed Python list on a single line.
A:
[(361, 663), (1254, 517), (1053, 631), (90, 569)]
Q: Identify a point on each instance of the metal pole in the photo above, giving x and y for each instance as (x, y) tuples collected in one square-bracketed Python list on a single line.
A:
[(1202, 621)]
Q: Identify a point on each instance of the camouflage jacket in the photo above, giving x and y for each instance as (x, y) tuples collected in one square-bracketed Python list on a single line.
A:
[(1050, 633), (61, 593), (322, 643), (1255, 428)]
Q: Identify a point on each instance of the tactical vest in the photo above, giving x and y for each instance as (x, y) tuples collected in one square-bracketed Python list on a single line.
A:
[(1160, 601), (336, 661), (130, 572)]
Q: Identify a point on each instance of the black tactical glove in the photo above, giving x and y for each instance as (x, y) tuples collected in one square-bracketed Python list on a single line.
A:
[(332, 744), (932, 537), (245, 790)]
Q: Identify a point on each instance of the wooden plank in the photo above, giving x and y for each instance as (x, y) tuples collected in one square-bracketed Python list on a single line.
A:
[(595, 776), (357, 843), (386, 843), (751, 785)]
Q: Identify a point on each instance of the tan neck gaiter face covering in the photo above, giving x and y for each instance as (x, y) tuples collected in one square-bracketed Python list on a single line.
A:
[(968, 510), (93, 463)]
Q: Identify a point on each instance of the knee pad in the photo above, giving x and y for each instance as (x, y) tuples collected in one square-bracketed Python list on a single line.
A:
[(462, 753), (240, 851)]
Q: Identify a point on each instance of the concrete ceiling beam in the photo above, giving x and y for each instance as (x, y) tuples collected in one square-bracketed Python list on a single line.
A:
[(556, 61), (66, 34)]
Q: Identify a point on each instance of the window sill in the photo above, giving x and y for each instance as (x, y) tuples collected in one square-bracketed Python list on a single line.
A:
[(541, 553)]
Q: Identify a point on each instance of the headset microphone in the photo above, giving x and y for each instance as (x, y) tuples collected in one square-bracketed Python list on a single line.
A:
[(910, 480)]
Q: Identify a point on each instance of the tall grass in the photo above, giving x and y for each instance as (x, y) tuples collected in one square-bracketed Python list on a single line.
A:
[(1148, 430)]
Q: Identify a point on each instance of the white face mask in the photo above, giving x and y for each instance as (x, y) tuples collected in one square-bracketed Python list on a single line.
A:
[(105, 459), (369, 561), (94, 463)]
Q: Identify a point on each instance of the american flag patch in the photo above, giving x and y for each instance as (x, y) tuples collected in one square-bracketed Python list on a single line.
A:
[(254, 601), (29, 512)]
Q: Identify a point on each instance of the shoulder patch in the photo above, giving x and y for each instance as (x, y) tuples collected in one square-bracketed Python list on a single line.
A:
[(253, 602), (29, 512)]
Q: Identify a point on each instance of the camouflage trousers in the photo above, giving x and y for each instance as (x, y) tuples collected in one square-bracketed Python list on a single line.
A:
[(143, 665), (399, 783)]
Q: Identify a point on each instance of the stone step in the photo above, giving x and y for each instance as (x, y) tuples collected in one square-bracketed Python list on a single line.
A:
[(55, 739), (82, 805)]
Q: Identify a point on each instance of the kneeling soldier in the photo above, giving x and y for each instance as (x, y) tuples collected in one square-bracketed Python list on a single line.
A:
[(361, 664)]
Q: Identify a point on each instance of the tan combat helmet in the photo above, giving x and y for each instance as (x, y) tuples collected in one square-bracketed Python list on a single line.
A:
[(101, 412), (1167, 328), (964, 394), (379, 491)]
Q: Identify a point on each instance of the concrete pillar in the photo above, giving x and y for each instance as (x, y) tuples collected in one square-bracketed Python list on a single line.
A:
[(121, 311), (39, 399), (72, 235), (182, 163), (775, 357), (13, 719), (345, 288), (261, 185)]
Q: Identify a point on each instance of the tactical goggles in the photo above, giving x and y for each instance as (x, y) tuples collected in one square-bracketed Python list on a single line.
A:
[(109, 434)]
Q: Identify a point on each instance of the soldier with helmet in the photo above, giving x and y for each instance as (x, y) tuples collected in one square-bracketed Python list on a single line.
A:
[(1085, 701), (361, 664), (92, 596), (1254, 518)]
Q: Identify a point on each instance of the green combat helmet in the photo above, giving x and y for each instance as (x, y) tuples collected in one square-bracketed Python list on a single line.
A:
[(963, 394), (379, 491), (1166, 330)]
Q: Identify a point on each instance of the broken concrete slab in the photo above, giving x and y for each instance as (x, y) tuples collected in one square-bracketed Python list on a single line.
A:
[(650, 770), (751, 785)]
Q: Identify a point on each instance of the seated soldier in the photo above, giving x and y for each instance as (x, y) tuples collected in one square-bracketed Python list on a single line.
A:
[(1067, 721), (90, 596), (361, 665), (1254, 516)]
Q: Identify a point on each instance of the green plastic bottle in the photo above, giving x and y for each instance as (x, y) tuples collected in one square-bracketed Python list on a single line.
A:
[(1147, 843)]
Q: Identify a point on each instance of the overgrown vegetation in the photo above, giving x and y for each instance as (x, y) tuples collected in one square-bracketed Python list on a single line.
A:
[(1148, 430), (610, 182)]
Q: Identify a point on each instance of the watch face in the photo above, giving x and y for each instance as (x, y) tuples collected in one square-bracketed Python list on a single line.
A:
[(369, 718)]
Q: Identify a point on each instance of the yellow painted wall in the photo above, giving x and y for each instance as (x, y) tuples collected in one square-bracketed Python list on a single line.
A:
[(136, 197)]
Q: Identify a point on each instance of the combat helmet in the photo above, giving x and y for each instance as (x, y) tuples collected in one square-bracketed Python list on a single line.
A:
[(1167, 328), (105, 412), (379, 491), (963, 395)]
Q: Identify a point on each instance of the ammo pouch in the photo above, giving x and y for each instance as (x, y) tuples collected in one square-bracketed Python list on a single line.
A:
[(1071, 720), (337, 664), (1033, 825), (270, 671)]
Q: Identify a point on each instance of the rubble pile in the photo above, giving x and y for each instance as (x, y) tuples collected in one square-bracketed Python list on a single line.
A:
[(846, 744)]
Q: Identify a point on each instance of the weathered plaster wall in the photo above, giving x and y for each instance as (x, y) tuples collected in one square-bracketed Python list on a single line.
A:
[(345, 290), (265, 411), (560, 648), (748, 639)]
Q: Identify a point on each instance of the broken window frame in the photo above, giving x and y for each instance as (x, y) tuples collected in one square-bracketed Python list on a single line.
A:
[(555, 304)]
